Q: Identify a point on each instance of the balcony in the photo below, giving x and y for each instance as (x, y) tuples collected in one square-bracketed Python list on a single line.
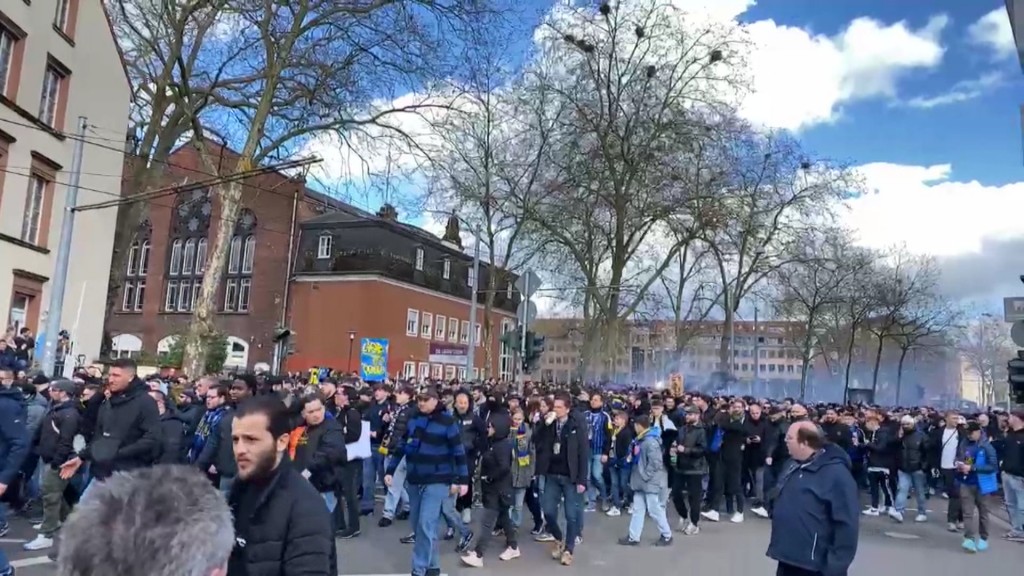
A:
[(400, 268)]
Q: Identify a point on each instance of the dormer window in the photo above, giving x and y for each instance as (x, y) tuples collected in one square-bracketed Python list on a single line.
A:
[(509, 291), (419, 259), (323, 247), (447, 272)]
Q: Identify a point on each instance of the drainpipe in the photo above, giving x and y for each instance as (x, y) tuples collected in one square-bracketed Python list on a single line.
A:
[(279, 348)]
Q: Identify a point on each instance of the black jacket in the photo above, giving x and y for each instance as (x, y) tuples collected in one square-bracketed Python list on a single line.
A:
[(838, 434), (1013, 453), (351, 423), (14, 437), (282, 527), (399, 423), (173, 429), (913, 455), (56, 436), (474, 433), (755, 452), (883, 448), (322, 454), (127, 433), (574, 441), (694, 441), (734, 437), (496, 458)]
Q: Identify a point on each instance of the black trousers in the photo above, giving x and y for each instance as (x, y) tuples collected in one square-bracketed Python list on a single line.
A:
[(727, 483), (955, 511), (497, 504), (790, 570), (686, 496), (346, 514)]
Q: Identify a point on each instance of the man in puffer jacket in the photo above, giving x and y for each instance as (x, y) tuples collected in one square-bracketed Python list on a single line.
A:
[(648, 479), (495, 491)]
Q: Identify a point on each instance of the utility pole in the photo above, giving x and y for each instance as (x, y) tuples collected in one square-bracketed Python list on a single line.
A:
[(474, 292), (526, 321), (60, 273), (757, 352)]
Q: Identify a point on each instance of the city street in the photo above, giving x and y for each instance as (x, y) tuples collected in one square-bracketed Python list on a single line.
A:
[(723, 548)]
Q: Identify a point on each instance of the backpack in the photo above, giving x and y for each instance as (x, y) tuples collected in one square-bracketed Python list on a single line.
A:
[(716, 440)]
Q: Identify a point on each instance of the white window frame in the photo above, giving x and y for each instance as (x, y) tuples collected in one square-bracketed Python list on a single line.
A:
[(128, 298), (462, 374), (424, 372), (32, 218), (171, 297), (436, 371), (50, 99), (470, 279), (409, 369), (449, 372), (201, 256), (419, 259), (60, 18), (133, 254), (426, 325), (479, 334), (235, 255), (453, 330), (184, 296), (140, 295), (244, 289), (175, 267), (446, 273), (440, 327), (476, 373), (188, 257), (464, 332), (248, 254), (324, 245), (230, 295), (144, 250), (412, 322), (7, 43)]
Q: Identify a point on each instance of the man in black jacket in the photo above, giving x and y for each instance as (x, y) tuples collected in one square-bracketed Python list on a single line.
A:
[(54, 444), (690, 459), (563, 439), (734, 439), (281, 523), (496, 491), (173, 428), (127, 433), (350, 471), (912, 462)]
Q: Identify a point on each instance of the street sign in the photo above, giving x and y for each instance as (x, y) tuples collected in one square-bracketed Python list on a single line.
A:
[(1013, 308), (1017, 333), (527, 284), (526, 312)]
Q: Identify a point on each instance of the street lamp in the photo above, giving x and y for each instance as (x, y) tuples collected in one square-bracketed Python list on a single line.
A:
[(351, 342)]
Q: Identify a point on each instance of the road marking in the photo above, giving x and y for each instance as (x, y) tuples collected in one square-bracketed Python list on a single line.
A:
[(36, 561), (12, 541)]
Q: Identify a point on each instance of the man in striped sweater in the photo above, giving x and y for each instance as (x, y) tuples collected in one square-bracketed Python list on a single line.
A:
[(436, 467)]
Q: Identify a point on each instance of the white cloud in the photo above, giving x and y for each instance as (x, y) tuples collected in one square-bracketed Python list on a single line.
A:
[(802, 78), (926, 209), (992, 31), (962, 91)]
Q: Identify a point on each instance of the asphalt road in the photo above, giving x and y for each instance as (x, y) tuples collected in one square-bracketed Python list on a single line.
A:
[(724, 549)]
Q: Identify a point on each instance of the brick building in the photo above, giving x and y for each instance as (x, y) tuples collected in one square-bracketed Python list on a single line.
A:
[(168, 251), (372, 276)]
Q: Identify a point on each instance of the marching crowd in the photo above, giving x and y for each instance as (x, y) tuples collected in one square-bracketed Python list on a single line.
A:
[(299, 467)]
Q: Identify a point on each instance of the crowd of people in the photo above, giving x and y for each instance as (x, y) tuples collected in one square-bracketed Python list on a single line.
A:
[(299, 467)]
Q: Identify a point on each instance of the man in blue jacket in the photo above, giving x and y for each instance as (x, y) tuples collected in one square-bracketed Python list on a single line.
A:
[(13, 447), (815, 514)]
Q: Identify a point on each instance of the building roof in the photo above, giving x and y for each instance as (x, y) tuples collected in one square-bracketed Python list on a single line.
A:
[(352, 215)]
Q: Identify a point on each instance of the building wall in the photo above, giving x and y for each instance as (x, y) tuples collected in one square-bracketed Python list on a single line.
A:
[(98, 89), (271, 198), (325, 309)]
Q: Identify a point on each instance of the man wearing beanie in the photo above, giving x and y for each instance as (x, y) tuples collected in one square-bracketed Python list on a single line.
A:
[(55, 445)]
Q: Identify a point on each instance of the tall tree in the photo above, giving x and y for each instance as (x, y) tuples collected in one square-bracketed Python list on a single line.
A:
[(984, 344)]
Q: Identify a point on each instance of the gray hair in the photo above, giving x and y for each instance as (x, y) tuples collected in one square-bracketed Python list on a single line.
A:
[(165, 520)]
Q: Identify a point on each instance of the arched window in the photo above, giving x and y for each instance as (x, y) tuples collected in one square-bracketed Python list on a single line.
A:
[(134, 293), (190, 226), (241, 261)]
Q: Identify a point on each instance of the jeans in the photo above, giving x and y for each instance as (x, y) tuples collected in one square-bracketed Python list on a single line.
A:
[(427, 500), (1013, 492), (397, 492), (369, 483), (4, 564), (516, 513), (331, 500), (648, 503), (597, 491), (453, 518), (556, 490), (903, 484), (620, 486)]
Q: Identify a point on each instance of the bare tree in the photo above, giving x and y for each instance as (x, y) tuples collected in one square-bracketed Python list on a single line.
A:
[(984, 344), (924, 324), (815, 280), (641, 86)]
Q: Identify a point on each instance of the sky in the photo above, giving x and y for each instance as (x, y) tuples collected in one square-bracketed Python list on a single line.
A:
[(923, 98)]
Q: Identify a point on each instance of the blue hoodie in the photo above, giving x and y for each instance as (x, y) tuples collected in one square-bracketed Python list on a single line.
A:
[(816, 514), (14, 438)]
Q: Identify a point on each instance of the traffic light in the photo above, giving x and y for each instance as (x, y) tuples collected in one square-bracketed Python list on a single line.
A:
[(284, 337), (1015, 377), (512, 339), (534, 349)]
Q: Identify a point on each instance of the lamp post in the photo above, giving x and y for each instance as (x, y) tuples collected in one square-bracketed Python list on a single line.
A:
[(351, 342), (471, 351)]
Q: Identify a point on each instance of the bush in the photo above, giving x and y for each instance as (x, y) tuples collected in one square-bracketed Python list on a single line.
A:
[(215, 347)]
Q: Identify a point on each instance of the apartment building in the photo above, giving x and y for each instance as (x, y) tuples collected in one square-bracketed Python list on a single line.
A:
[(58, 61)]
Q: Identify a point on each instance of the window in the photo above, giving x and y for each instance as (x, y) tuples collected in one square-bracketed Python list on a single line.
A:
[(248, 255), (412, 321), (470, 279), (449, 372), (231, 295), (453, 330), (133, 254), (436, 371), (235, 255), (176, 257), (201, 256), (140, 295), (465, 332), (184, 296), (128, 301), (323, 248), (188, 260), (409, 369), (241, 261), (476, 373), (419, 258), (478, 337), (244, 288), (462, 373), (135, 273), (439, 331), (427, 325), (424, 370), (447, 272), (33, 215), (7, 42), (171, 301), (62, 19), (50, 101)]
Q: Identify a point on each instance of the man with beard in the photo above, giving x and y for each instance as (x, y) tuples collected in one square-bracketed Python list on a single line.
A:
[(835, 431), (911, 464), (757, 429), (281, 523)]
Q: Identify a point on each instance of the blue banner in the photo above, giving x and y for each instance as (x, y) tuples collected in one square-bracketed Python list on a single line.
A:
[(373, 359)]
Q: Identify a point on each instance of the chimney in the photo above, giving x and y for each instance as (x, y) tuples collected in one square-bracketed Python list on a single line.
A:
[(387, 212), (452, 237)]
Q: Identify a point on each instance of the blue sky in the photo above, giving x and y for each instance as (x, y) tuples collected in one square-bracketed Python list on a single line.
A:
[(923, 97)]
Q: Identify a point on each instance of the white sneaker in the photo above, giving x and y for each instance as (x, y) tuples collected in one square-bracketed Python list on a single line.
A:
[(759, 511), (711, 515), (37, 527), (471, 559), (692, 530), (895, 515), (871, 512), (613, 511), (684, 523), (921, 518), (509, 554), (40, 543), (467, 516), (736, 518)]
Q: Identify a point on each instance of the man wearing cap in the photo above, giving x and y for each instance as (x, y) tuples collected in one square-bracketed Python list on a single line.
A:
[(54, 443), (910, 471), (436, 467)]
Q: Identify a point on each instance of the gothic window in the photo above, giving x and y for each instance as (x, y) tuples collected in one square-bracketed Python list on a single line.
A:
[(137, 267), (241, 260), (186, 261)]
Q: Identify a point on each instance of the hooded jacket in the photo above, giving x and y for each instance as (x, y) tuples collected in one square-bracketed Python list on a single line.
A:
[(648, 472), (496, 459), (13, 433), (127, 433), (694, 442), (55, 438), (883, 448), (816, 514), (173, 428)]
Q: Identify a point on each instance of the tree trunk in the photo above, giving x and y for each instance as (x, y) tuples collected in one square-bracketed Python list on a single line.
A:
[(849, 362), (723, 346), (202, 326), (899, 373), (488, 328), (878, 364)]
